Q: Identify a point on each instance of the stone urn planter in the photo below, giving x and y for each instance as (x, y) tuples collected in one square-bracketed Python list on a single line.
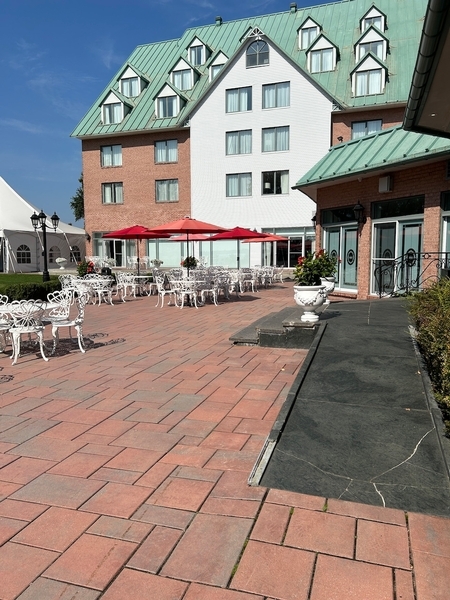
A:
[(62, 262), (329, 284), (310, 298)]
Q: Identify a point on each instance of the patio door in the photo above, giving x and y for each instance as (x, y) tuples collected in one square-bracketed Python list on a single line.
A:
[(342, 243)]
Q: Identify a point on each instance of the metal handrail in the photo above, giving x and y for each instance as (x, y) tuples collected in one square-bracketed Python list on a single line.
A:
[(408, 272)]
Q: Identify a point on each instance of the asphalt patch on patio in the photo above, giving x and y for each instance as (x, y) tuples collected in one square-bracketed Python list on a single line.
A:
[(360, 422)]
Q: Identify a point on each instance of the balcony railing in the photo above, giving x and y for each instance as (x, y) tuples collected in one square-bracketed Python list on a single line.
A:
[(410, 272)]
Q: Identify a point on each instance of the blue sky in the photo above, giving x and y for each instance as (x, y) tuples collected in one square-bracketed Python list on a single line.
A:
[(56, 56)]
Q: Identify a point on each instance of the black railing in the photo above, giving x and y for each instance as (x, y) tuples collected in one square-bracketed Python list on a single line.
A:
[(409, 272)]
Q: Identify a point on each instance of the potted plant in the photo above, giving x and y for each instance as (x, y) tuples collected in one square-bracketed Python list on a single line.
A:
[(190, 262), (311, 277)]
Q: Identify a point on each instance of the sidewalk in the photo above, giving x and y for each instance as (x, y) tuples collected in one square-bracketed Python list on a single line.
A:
[(123, 474)]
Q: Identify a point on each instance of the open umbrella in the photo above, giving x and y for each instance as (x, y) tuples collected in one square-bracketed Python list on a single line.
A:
[(187, 226), (239, 233), (136, 232)]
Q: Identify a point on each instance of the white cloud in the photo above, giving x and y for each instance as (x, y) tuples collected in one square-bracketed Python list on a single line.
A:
[(21, 125), (104, 50)]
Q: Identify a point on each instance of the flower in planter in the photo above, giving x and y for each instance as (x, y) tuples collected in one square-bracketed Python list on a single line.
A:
[(156, 263), (312, 267), (190, 262), (61, 261)]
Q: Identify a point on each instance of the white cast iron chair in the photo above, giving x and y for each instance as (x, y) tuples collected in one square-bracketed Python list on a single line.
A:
[(59, 321), (27, 319)]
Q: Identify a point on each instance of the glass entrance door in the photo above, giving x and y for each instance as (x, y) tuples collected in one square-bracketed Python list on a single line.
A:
[(342, 243)]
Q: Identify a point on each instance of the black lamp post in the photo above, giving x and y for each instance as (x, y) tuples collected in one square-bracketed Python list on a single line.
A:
[(40, 221)]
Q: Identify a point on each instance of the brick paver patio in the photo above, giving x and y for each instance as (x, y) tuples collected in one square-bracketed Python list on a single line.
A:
[(123, 474)]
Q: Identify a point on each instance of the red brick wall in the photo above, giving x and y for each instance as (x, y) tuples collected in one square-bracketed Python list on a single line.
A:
[(428, 179), (341, 122), (138, 174)]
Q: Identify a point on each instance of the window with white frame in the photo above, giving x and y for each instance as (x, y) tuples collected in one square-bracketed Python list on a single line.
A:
[(53, 254), (130, 86), (363, 128), (23, 254), (239, 99), (275, 182), (258, 54), (111, 156), (239, 184), (322, 60), (112, 113), (376, 20), (166, 151), (276, 95), (275, 139), (215, 70), (166, 190), (167, 107), (239, 142), (182, 79), (368, 82), (197, 55), (307, 36), (112, 193), (376, 47)]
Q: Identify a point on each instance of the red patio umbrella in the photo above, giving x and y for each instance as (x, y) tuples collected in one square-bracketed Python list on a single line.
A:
[(268, 237), (187, 226), (135, 232), (239, 233)]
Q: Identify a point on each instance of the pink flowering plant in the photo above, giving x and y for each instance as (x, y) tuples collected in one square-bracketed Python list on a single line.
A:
[(313, 266)]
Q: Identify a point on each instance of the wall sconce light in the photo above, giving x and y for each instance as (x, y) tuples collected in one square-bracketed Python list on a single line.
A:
[(87, 237), (314, 220), (358, 211), (340, 139)]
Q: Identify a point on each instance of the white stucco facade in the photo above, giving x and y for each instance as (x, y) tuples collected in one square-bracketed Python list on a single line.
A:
[(308, 117)]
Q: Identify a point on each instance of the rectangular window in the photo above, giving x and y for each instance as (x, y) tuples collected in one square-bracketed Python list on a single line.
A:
[(167, 190), (112, 113), (239, 142), (362, 128), (130, 87), (376, 21), (275, 139), (322, 60), (112, 193), (239, 100), (239, 184), (167, 107), (275, 182), (276, 95), (182, 79), (196, 55), (374, 47), (368, 82), (166, 151), (111, 156), (309, 34), (215, 70)]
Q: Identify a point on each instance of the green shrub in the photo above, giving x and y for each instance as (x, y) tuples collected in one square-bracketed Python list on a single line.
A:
[(430, 311), (30, 291)]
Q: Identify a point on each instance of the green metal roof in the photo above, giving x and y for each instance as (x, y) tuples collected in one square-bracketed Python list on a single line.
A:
[(340, 24), (383, 150)]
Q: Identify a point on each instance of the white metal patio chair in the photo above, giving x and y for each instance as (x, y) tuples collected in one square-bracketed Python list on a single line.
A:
[(27, 319), (5, 322), (171, 291), (77, 322)]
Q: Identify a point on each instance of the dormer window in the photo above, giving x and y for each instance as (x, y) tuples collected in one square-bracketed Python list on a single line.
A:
[(197, 55), (215, 70), (217, 65), (374, 47), (182, 79), (167, 107), (112, 110), (258, 54), (372, 41), (373, 17), (307, 34), (130, 87), (322, 56)]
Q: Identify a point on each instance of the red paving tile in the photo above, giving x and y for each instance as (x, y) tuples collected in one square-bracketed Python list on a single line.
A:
[(275, 571), (131, 585), (131, 482), (92, 561), (19, 566)]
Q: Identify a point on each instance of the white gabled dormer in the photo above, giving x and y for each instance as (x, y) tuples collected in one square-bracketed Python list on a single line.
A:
[(182, 76), (216, 65), (130, 83), (373, 17), (321, 56), (197, 52), (369, 77), (167, 103), (307, 33), (112, 110), (371, 41)]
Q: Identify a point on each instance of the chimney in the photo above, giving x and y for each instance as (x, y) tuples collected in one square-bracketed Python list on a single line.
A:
[(293, 7), (218, 20)]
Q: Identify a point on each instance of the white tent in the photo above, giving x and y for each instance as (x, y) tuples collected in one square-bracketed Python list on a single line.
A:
[(21, 247)]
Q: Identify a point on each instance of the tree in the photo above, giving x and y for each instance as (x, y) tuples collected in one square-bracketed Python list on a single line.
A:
[(77, 202)]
